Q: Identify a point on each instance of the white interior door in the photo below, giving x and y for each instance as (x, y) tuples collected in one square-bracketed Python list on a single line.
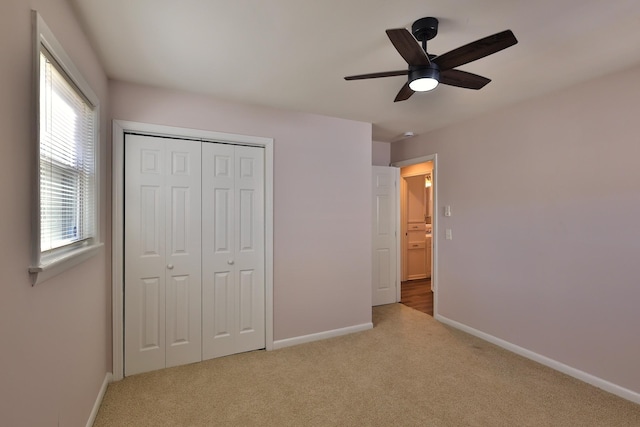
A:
[(162, 260), (233, 250), (384, 283)]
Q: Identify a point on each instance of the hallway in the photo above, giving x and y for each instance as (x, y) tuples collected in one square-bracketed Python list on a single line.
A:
[(417, 294)]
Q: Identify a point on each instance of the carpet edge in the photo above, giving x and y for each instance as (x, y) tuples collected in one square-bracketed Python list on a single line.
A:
[(583, 376)]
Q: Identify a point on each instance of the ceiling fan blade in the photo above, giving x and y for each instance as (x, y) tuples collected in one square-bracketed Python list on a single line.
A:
[(408, 47), (376, 75), (463, 79), (404, 94), (476, 50)]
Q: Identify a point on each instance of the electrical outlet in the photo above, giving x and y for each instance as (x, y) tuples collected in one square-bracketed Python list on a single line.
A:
[(448, 234)]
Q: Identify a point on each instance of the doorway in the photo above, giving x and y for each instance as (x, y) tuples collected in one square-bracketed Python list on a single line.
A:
[(417, 245)]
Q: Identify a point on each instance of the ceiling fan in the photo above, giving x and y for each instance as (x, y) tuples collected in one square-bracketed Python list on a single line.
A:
[(426, 71)]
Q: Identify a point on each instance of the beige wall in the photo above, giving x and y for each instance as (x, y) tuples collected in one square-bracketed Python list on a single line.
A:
[(381, 153), (545, 198), (322, 218), (56, 337)]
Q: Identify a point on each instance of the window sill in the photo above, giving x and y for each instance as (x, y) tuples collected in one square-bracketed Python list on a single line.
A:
[(46, 271)]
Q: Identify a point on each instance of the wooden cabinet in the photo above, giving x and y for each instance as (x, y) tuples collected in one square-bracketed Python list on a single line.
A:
[(415, 227), (416, 265)]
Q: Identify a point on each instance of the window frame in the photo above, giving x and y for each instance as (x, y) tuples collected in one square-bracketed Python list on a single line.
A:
[(45, 266)]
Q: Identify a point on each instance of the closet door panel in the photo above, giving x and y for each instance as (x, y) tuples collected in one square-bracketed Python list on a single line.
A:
[(149, 298), (223, 221), (246, 241), (221, 303), (178, 311), (218, 250), (184, 254), (144, 255), (250, 248), (162, 253), (247, 292), (233, 249)]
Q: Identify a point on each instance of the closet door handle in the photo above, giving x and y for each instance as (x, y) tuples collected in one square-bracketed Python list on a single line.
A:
[(230, 262), (170, 266)]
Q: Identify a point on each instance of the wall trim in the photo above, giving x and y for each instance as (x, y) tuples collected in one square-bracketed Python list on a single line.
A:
[(117, 219), (544, 360), (288, 342), (96, 405)]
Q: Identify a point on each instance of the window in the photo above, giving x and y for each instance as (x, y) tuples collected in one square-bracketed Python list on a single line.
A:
[(67, 134)]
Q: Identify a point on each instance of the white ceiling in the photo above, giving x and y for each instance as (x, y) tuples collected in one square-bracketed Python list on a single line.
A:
[(293, 54)]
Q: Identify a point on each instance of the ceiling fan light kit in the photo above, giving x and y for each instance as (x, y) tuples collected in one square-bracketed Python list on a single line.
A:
[(425, 71), (423, 79)]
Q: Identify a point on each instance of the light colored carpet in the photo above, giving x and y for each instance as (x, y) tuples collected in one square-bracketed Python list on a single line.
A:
[(409, 370)]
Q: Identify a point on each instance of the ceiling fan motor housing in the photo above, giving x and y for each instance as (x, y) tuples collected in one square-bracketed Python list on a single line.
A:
[(431, 71)]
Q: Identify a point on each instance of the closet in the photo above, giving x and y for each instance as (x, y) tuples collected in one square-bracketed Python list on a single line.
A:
[(194, 251)]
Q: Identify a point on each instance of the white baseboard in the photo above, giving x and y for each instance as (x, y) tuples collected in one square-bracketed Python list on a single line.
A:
[(321, 335), (98, 402), (553, 364)]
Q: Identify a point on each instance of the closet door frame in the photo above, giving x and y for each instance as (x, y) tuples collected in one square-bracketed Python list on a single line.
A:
[(120, 128)]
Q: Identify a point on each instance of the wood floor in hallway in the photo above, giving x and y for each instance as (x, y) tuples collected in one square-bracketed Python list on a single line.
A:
[(417, 294)]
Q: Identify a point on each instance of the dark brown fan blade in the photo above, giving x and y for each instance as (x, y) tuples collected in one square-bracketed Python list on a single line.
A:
[(376, 75), (408, 47), (476, 50), (463, 79), (404, 94)]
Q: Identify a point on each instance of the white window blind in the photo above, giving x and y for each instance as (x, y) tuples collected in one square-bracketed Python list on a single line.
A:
[(67, 161), (66, 188)]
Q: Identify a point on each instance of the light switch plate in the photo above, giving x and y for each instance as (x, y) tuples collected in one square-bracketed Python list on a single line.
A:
[(447, 210)]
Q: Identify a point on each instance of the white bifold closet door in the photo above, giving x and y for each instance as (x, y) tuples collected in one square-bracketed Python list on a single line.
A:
[(194, 254), (233, 257), (162, 260)]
